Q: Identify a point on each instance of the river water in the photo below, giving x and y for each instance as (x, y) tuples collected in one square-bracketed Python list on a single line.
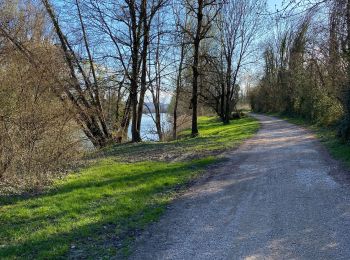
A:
[(148, 127), (148, 130)]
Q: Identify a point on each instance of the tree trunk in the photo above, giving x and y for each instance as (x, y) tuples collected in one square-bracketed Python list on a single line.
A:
[(122, 132), (135, 131), (144, 64), (197, 41), (156, 95), (178, 89), (228, 90), (222, 101), (88, 114), (95, 87), (158, 122)]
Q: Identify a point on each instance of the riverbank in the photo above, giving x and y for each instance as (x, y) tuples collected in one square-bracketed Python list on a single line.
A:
[(98, 211)]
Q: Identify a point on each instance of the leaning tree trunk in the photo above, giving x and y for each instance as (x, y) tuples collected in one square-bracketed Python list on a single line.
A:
[(89, 114)]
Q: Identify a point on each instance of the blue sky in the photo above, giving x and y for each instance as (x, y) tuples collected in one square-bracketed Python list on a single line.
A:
[(273, 3)]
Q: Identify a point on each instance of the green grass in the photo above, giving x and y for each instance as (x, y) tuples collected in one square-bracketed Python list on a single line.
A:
[(327, 135), (98, 211), (214, 138)]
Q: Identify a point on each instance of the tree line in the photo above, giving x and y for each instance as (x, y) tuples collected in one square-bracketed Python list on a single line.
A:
[(306, 70), (89, 68)]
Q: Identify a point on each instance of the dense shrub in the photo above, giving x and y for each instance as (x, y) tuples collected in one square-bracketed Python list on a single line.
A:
[(38, 135)]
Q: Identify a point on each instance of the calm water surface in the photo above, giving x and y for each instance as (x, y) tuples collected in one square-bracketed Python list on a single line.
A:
[(148, 127), (148, 130)]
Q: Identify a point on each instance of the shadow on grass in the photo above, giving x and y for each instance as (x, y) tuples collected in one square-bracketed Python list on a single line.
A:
[(108, 195), (59, 245), (94, 212)]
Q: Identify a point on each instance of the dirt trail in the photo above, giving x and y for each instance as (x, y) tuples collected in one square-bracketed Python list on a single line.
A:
[(275, 198)]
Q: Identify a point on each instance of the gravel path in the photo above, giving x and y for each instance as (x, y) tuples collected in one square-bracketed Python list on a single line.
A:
[(279, 196)]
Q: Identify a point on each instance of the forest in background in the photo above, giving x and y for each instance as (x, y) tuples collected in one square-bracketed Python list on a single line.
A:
[(306, 69)]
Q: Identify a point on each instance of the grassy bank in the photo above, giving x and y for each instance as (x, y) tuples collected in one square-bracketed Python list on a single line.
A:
[(99, 210), (327, 135)]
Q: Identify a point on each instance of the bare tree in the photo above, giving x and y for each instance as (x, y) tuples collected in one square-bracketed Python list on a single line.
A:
[(239, 23), (128, 25), (82, 90), (155, 76), (202, 13), (181, 36)]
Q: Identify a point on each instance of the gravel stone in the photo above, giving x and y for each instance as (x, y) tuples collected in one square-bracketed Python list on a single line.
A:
[(278, 196)]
